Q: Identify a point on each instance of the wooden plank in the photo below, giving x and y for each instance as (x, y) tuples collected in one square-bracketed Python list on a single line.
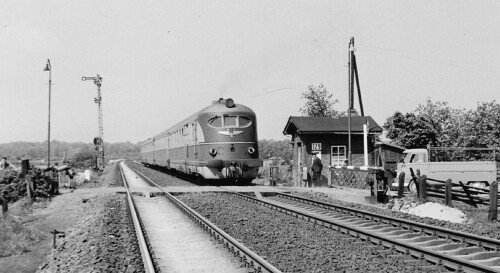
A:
[(467, 192), (493, 211), (422, 184), (401, 185), (448, 195)]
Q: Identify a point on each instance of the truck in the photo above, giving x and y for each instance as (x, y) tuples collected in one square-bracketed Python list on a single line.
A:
[(471, 166)]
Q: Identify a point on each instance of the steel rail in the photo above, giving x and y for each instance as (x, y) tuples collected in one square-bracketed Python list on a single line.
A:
[(437, 258), (488, 243), (143, 245), (247, 256)]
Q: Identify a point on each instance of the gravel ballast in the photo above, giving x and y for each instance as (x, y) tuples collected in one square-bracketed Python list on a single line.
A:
[(161, 178), (103, 240), (291, 244)]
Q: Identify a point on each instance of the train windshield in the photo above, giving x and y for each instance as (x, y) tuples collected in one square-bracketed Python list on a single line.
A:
[(228, 121)]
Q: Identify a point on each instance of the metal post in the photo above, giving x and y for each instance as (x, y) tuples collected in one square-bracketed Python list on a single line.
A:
[(98, 141)]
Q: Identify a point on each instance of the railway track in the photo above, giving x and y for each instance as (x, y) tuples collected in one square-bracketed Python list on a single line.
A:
[(445, 248), (246, 257), (144, 246)]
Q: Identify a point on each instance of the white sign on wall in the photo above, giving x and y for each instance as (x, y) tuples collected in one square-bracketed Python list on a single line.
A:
[(316, 147)]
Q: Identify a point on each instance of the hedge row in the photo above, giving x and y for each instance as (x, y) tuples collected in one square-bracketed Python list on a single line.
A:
[(12, 187)]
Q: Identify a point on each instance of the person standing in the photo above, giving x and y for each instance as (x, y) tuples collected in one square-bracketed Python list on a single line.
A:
[(317, 167), (3, 163)]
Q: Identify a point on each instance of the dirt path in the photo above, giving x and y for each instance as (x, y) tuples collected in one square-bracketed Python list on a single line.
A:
[(60, 214)]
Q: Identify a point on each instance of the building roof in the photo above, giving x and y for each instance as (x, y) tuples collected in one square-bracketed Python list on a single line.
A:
[(389, 144), (330, 125)]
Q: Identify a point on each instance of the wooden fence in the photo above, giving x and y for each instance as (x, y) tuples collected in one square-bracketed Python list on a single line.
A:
[(448, 191)]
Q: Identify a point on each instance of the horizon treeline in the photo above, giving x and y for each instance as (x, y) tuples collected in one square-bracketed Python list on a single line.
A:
[(77, 151), (18, 150)]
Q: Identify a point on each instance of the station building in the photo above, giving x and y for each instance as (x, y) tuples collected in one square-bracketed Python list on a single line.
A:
[(329, 138)]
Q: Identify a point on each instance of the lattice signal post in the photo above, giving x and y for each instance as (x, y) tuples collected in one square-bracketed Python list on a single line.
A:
[(98, 141)]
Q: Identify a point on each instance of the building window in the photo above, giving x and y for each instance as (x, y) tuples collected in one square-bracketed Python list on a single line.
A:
[(338, 155)]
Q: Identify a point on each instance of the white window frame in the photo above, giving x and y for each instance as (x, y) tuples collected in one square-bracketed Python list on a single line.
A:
[(337, 160)]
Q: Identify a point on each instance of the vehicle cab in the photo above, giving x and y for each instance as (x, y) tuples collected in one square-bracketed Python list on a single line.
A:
[(415, 159)]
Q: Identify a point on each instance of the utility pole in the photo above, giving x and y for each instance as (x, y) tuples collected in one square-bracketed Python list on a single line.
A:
[(48, 67), (98, 141), (350, 97), (353, 75)]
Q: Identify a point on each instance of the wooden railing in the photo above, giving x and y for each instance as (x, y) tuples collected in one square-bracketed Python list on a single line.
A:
[(449, 191)]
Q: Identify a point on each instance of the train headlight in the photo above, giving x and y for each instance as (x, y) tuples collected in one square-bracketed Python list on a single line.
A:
[(229, 103), (251, 150), (212, 152)]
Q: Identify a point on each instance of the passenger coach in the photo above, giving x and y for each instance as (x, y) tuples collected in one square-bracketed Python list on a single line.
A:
[(218, 142)]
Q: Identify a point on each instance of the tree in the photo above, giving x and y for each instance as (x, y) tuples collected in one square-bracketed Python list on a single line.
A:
[(410, 131), (482, 126), (438, 124), (319, 103), (275, 148), (445, 121)]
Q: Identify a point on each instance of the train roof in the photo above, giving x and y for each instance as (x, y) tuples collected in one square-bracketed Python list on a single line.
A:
[(225, 105), (218, 106)]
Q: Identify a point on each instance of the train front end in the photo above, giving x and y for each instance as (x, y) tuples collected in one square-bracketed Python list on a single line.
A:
[(230, 147)]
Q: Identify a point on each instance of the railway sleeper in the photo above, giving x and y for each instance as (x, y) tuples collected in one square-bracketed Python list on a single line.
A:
[(433, 243), (418, 239), (495, 261), (464, 251), (447, 247), (392, 231), (407, 235), (479, 256)]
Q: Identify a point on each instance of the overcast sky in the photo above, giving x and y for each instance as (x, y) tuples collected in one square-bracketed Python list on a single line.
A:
[(163, 60)]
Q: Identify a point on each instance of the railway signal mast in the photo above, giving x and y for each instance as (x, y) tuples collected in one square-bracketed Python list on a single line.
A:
[(98, 141), (353, 75)]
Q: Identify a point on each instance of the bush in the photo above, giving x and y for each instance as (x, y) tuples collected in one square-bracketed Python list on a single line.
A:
[(13, 188)]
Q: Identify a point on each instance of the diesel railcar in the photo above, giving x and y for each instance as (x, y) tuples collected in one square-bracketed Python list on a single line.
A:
[(218, 143)]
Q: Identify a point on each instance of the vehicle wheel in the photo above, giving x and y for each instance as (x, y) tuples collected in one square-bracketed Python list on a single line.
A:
[(412, 186)]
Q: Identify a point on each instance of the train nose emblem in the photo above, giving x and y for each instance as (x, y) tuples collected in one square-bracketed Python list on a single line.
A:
[(230, 132)]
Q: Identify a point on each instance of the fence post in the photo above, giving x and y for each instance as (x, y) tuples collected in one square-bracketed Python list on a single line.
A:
[(273, 175), (422, 184), (5, 206), (493, 212), (330, 177), (447, 193), (401, 185)]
